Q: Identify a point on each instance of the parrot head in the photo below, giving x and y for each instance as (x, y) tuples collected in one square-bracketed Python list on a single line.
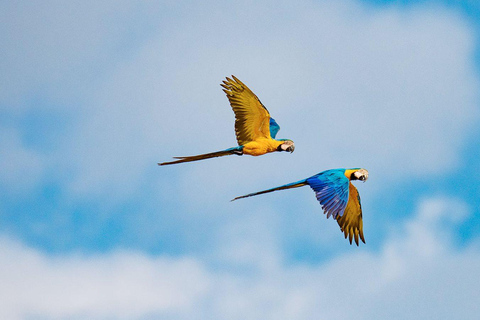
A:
[(287, 145), (360, 174)]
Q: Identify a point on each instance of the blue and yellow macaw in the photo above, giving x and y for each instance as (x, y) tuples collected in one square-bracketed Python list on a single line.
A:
[(337, 195), (254, 128)]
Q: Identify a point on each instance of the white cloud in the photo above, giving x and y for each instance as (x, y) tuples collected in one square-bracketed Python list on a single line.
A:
[(122, 285), (417, 274)]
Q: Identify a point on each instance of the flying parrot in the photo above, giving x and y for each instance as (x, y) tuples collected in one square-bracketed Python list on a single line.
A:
[(254, 128), (337, 195)]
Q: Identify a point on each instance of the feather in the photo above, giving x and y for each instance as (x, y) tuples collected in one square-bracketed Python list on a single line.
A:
[(274, 128), (331, 190)]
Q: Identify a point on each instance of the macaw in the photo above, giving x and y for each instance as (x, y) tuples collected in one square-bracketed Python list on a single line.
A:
[(337, 195), (254, 128)]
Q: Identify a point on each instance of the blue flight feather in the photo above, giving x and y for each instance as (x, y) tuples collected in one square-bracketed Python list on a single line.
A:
[(274, 128), (331, 190)]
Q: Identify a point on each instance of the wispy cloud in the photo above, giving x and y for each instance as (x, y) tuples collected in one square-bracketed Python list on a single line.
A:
[(120, 285)]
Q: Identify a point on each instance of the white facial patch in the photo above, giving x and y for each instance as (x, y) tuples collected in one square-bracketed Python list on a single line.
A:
[(361, 174), (287, 146)]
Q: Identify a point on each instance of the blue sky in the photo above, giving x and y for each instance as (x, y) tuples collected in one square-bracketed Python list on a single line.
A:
[(93, 95)]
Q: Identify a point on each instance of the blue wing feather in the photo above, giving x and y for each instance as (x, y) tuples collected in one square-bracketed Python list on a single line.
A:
[(331, 190), (274, 128)]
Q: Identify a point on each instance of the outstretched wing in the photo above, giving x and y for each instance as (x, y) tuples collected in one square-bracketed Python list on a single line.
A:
[(274, 128), (252, 120), (351, 222), (331, 190)]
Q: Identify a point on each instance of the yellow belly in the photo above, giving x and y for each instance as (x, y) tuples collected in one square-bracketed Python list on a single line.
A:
[(261, 146)]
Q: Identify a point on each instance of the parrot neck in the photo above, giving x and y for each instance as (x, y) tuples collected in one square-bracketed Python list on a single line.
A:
[(349, 174)]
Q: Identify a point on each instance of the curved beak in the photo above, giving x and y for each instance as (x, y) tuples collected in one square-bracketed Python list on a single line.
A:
[(291, 148)]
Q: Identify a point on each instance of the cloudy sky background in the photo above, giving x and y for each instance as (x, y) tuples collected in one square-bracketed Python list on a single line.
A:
[(93, 95)]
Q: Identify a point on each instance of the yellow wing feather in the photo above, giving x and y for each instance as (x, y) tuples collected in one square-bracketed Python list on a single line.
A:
[(252, 119), (351, 222)]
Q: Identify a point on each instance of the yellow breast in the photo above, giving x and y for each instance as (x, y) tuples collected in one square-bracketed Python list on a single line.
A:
[(261, 146)]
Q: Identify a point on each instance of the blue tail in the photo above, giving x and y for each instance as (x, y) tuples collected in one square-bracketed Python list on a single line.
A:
[(297, 184)]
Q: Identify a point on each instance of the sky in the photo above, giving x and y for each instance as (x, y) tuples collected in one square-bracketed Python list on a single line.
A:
[(94, 94)]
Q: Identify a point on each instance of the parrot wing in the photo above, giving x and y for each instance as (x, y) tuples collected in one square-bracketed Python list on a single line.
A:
[(351, 222), (252, 119), (331, 190)]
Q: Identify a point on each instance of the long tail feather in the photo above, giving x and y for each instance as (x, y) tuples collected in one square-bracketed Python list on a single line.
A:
[(284, 187), (234, 150)]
